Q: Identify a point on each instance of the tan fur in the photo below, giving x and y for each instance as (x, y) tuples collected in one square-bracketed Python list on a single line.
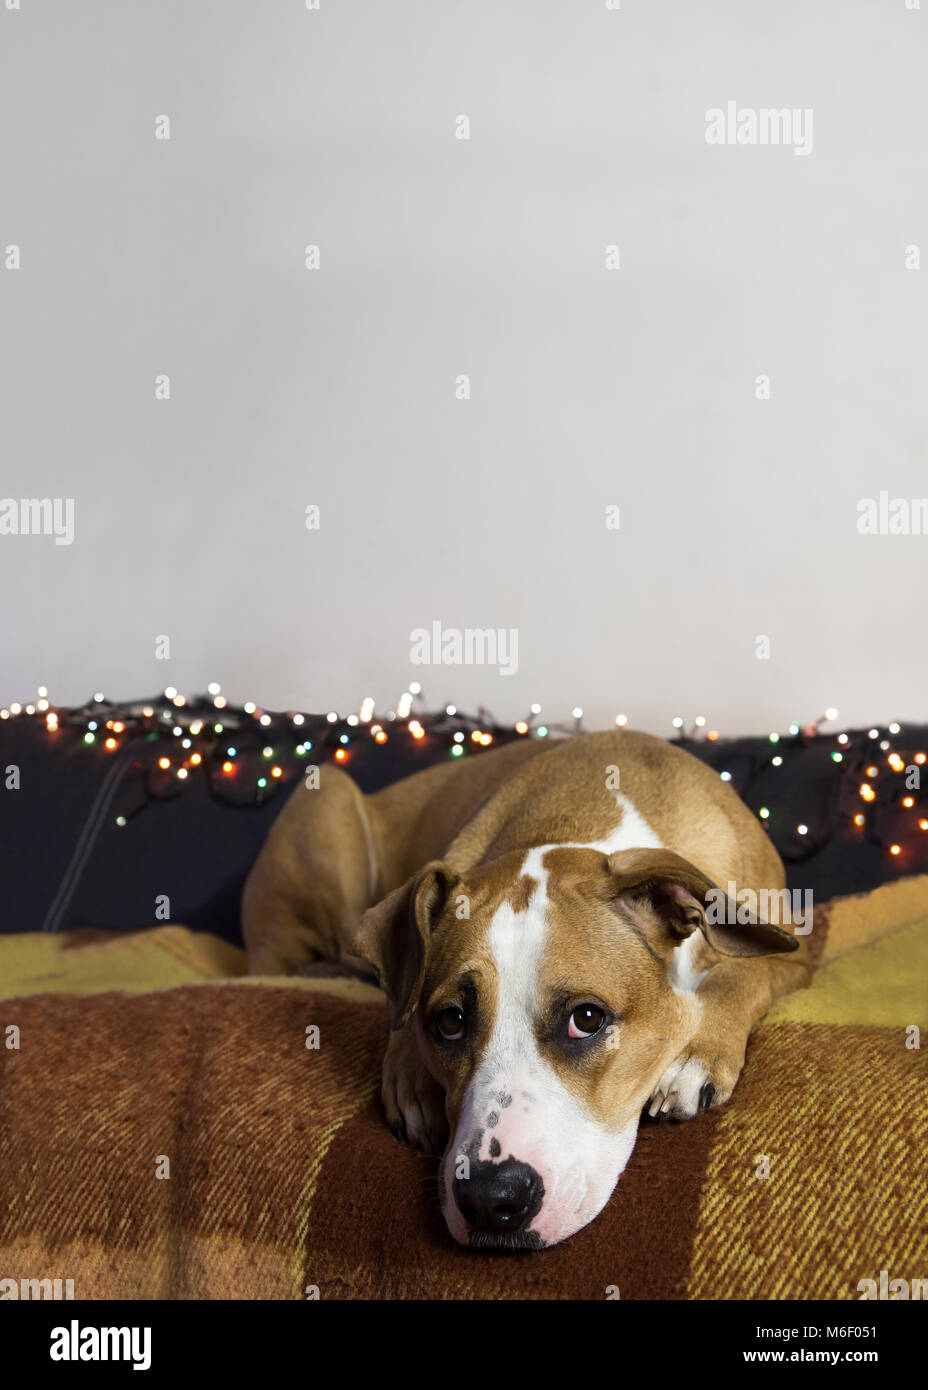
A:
[(333, 854)]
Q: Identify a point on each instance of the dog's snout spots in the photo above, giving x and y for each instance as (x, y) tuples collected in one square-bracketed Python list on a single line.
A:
[(495, 1149), (504, 1098), (492, 1119), (472, 1148)]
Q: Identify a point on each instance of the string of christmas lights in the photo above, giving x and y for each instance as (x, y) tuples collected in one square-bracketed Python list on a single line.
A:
[(245, 755)]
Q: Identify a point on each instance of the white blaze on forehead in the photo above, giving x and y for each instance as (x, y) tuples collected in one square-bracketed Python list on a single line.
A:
[(516, 941)]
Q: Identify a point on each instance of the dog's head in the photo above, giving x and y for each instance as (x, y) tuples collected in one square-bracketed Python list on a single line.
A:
[(547, 1000)]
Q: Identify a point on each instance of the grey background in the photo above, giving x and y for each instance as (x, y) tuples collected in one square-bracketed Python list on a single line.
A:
[(486, 257)]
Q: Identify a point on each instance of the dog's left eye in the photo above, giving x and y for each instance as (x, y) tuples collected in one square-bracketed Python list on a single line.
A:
[(585, 1020), (450, 1023)]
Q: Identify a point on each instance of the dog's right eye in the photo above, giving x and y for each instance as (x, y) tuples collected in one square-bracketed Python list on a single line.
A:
[(449, 1023), (585, 1021)]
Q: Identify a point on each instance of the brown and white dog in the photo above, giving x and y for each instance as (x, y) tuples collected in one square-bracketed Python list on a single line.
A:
[(545, 942)]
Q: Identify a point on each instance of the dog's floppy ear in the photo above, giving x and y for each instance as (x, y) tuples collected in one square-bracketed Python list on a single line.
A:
[(677, 892), (394, 935)]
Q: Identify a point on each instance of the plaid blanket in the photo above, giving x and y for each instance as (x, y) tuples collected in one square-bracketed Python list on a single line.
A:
[(166, 1132)]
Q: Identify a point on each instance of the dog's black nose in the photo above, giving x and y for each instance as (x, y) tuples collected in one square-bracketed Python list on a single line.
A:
[(499, 1198)]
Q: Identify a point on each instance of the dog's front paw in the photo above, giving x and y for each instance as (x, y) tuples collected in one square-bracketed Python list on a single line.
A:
[(700, 1079), (412, 1098)]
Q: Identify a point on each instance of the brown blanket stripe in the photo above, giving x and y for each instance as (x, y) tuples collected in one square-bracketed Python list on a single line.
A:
[(640, 1243), (219, 1080)]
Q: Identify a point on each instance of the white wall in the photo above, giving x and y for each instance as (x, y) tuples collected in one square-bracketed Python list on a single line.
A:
[(438, 257)]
